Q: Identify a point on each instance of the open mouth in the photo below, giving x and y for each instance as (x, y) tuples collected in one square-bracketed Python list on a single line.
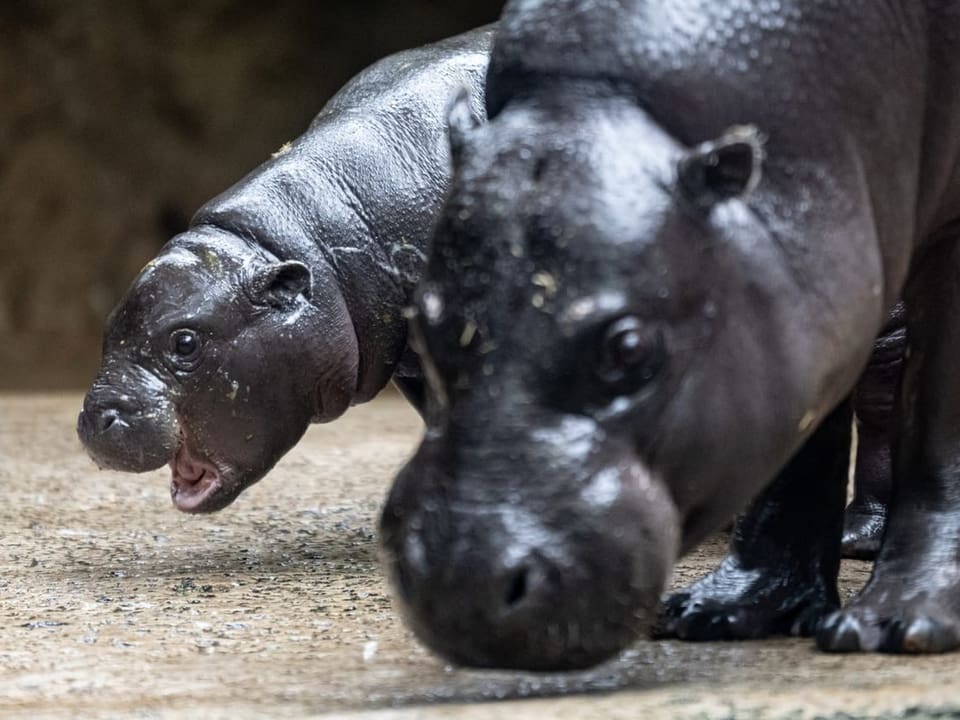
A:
[(194, 481)]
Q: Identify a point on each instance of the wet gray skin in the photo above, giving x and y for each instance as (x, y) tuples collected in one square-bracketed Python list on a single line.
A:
[(655, 281), (282, 304)]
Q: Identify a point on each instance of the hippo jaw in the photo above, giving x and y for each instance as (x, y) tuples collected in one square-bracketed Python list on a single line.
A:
[(195, 482), (203, 480), (121, 438)]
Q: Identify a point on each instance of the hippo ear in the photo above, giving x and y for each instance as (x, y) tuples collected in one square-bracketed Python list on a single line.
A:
[(279, 284), (461, 121), (722, 169)]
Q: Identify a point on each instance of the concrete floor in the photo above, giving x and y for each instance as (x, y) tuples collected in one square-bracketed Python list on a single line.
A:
[(114, 605)]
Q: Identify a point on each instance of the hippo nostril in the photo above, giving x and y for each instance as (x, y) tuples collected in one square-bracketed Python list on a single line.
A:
[(108, 419), (99, 421), (516, 588)]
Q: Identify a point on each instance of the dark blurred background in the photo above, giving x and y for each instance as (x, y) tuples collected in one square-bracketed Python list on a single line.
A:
[(118, 120)]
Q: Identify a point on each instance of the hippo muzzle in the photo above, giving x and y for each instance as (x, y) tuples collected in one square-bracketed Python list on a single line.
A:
[(128, 422), (536, 564)]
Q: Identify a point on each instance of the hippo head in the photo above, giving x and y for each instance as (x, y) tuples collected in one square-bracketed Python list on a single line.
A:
[(609, 380), (215, 362)]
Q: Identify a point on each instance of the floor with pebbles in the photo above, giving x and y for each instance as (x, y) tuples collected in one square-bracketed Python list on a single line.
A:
[(114, 605)]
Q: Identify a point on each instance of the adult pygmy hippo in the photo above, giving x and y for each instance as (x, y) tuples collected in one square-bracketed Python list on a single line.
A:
[(281, 304), (654, 283)]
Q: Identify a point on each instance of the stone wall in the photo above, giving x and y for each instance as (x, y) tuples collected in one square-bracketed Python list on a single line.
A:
[(119, 120)]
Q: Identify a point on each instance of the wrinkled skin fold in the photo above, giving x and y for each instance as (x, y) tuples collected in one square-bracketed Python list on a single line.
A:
[(654, 284)]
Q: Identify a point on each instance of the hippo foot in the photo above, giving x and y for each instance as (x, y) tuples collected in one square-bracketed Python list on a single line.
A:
[(733, 603), (890, 616), (923, 628), (862, 532)]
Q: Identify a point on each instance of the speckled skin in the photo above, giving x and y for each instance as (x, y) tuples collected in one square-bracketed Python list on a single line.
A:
[(655, 282), (282, 304)]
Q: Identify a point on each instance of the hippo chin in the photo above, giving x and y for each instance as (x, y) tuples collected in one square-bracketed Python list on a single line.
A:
[(656, 280), (282, 304)]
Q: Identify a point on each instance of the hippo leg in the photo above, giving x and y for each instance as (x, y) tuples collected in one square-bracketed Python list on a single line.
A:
[(912, 600), (780, 575), (873, 403)]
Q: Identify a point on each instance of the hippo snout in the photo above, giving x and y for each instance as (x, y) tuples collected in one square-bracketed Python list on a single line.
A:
[(539, 580), (123, 433)]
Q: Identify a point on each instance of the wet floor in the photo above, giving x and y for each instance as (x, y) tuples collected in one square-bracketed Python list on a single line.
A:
[(113, 604)]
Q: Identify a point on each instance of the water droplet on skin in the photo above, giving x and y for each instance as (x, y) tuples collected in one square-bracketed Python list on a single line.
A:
[(432, 306), (603, 489)]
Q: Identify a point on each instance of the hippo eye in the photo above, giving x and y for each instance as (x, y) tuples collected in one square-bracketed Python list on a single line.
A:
[(185, 346), (632, 353)]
